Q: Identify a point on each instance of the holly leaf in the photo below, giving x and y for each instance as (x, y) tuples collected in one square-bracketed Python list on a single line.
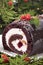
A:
[(35, 21)]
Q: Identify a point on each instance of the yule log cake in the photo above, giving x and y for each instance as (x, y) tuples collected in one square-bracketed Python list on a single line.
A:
[(17, 38), (20, 37)]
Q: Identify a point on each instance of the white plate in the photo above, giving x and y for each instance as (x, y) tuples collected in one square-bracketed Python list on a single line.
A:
[(2, 50)]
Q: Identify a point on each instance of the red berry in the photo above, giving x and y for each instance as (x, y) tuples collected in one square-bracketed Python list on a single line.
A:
[(27, 59), (5, 61), (25, 0), (23, 17), (5, 58), (10, 3), (28, 17), (20, 44)]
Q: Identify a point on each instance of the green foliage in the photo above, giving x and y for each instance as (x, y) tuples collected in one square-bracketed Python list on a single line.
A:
[(6, 11), (32, 12), (7, 14), (19, 60), (35, 21), (30, 5)]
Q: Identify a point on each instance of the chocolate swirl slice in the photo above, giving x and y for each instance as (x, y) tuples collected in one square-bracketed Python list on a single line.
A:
[(17, 38)]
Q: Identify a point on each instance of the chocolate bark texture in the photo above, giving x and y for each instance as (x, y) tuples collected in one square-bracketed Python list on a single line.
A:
[(37, 47), (37, 41)]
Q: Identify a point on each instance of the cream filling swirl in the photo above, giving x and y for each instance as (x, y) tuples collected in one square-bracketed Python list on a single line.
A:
[(15, 42)]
